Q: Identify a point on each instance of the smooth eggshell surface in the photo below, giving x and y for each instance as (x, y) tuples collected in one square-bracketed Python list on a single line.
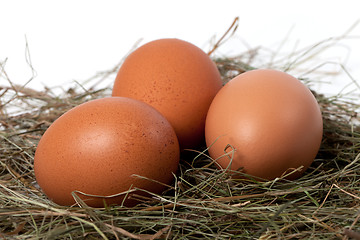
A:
[(271, 120), (175, 77), (96, 147)]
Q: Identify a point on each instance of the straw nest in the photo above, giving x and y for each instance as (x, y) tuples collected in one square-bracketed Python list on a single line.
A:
[(203, 203)]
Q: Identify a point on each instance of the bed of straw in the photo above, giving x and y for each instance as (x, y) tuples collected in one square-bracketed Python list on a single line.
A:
[(203, 202)]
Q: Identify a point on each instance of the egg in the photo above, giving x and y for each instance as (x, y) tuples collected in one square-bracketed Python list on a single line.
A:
[(175, 77), (96, 149), (265, 123)]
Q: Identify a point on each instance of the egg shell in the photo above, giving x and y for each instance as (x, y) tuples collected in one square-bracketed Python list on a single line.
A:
[(96, 147), (175, 77), (272, 122)]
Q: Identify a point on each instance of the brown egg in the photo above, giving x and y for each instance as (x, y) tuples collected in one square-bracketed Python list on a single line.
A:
[(98, 146), (175, 77), (270, 120)]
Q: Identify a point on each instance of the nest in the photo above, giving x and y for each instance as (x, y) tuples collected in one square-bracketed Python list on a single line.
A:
[(203, 203)]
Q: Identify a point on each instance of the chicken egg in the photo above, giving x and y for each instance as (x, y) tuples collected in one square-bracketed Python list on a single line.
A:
[(96, 149), (175, 77), (265, 123)]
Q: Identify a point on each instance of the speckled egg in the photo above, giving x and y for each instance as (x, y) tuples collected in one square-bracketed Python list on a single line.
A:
[(175, 77), (96, 149), (265, 123)]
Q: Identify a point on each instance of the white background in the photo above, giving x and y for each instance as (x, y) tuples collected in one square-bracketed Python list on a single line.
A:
[(73, 40)]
